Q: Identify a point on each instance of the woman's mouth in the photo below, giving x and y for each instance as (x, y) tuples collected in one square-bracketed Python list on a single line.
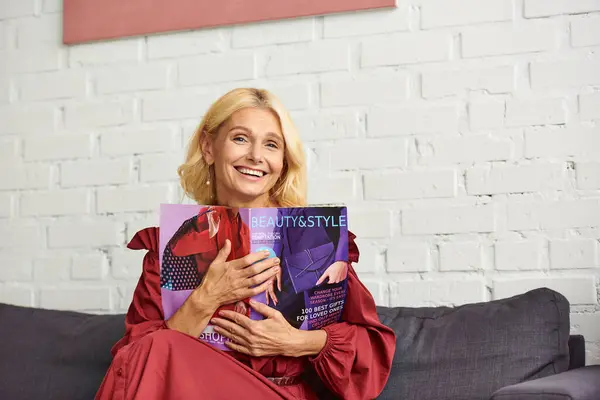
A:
[(251, 173)]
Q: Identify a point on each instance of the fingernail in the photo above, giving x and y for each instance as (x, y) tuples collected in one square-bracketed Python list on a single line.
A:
[(276, 260), (266, 253)]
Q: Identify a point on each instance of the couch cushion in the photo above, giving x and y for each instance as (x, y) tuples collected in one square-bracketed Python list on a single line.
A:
[(470, 351), (54, 354)]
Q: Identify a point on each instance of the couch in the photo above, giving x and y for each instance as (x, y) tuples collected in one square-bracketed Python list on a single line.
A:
[(517, 348)]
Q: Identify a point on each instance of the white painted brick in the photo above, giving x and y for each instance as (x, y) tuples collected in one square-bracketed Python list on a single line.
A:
[(369, 223), (4, 84), (447, 220), (335, 189), (487, 114), (52, 268), (410, 185), (131, 199), (586, 324), (553, 214), (415, 120), (85, 234), (588, 175), (9, 148), (16, 8), (3, 34), (45, 30), (16, 267), (465, 256), (24, 176), (369, 154), (366, 89), (365, 23), (136, 225), (573, 253), (564, 74), (139, 140), (306, 58), (578, 290), (6, 205), (544, 8), (294, 96), (132, 78), (589, 106), (25, 60), (445, 292), (92, 173), (105, 52), (516, 179), (62, 202), (124, 296), (585, 32), (98, 113), (30, 118), (93, 266), (126, 264), (17, 295), (76, 299), (441, 13), (56, 147), (217, 68), (436, 84), (406, 48), (50, 6), (404, 256), (181, 44), (509, 39), (459, 149), (327, 125), (518, 255), (579, 142), (156, 168), (371, 257), (273, 32), (23, 236), (176, 106), (535, 112)]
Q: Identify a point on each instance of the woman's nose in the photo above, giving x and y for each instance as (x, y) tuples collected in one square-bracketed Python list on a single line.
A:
[(255, 153)]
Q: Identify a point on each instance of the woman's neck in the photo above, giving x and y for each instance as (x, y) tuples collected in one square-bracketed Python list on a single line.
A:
[(250, 203)]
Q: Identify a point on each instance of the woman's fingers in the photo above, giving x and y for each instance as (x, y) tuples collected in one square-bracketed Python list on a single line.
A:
[(260, 266), (223, 253), (267, 274), (249, 259)]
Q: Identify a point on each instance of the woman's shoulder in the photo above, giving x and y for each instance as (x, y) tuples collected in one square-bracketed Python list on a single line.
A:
[(145, 239)]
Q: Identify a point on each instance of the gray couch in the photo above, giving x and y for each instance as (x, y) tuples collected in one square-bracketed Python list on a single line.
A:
[(511, 349)]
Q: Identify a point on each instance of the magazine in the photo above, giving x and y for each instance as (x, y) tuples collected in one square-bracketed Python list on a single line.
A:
[(311, 243)]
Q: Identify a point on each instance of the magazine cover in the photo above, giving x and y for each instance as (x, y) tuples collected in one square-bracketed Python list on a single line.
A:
[(311, 242)]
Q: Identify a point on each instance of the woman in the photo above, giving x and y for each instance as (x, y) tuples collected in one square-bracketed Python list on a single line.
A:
[(245, 153)]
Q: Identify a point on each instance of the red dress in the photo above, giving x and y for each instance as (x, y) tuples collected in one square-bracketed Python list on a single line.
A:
[(154, 362)]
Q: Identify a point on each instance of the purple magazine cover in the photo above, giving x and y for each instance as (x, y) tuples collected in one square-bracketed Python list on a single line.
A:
[(311, 242)]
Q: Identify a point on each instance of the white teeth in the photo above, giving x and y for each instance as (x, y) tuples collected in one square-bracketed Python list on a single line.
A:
[(251, 172)]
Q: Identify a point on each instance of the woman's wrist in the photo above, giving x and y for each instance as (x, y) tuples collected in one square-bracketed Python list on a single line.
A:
[(306, 343), (193, 315)]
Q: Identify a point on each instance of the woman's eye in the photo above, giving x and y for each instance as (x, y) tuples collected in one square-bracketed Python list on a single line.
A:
[(273, 145), (239, 139)]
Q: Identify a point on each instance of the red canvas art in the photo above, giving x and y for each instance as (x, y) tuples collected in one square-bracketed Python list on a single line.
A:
[(90, 20)]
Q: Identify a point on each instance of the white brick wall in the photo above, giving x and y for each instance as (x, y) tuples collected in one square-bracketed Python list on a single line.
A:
[(464, 137)]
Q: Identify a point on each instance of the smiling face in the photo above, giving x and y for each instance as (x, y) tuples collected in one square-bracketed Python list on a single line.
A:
[(247, 154)]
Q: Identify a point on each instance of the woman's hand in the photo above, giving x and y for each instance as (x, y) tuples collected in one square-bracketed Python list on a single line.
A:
[(225, 282), (271, 336), (336, 272), (270, 293)]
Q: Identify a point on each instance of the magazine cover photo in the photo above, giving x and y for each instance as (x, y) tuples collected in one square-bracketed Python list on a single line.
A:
[(311, 243)]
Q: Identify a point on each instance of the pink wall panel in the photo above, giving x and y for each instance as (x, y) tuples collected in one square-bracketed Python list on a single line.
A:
[(88, 20)]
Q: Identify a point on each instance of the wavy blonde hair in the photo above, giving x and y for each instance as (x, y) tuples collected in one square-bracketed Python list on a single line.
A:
[(290, 188)]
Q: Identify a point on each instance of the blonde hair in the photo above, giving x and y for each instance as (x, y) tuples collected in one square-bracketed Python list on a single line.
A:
[(290, 189)]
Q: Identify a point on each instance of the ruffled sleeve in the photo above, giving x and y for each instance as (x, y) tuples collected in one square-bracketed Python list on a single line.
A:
[(145, 314), (357, 358)]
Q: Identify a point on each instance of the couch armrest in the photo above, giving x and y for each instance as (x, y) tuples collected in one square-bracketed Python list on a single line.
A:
[(576, 351), (577, 384)]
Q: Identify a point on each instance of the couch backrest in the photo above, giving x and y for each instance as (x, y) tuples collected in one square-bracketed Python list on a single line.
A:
[(469, 352)]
